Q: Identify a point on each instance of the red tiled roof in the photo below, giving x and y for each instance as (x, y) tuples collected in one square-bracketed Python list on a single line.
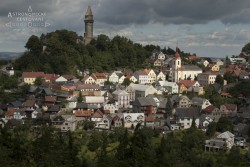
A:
[(50, 98), (231, 106), (226, 94), (99, 75), (97, 114), (116, 118), (29, 103), (83, 113), (187, 83), (50, 76), (209, 109), (32, 74), (10, 112)]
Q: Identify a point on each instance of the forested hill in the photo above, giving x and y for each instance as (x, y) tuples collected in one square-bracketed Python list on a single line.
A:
[(64, 55)]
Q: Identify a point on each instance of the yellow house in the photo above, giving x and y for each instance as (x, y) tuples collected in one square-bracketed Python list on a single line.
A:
[(182, 88), (215, 67), (30, 77)]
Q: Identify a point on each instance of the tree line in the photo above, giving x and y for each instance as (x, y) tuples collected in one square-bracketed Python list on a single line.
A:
[(26, 145)]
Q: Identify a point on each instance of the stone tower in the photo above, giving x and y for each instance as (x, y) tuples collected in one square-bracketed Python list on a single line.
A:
[(88, 34)]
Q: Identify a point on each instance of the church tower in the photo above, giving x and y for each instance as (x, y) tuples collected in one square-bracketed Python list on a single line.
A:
[(88, 34), (176, 66)]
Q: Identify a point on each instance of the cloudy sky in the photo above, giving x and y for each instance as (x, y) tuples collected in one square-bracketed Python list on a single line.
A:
[(214, 28)]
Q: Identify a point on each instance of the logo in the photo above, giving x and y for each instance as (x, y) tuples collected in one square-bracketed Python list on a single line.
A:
[(28, 19)]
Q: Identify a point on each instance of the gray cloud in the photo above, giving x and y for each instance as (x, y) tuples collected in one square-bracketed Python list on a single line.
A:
[(172, 11)]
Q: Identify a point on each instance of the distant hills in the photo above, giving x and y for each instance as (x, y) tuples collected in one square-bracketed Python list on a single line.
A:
[(10, 55)]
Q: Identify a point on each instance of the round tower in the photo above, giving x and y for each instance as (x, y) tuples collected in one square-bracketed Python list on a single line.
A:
[(88, 34)]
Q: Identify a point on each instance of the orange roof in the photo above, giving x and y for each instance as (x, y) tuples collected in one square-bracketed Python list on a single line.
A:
[(193, 57), (50, 98), (83, 113), (149, 119), (226, 94), (209, 109), (97, 114), (116, 118), (10, 112), (29, 103), (99, 76), (50, 76), (187, 83)]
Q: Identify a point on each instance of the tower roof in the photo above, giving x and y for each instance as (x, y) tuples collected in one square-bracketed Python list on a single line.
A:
[(177, 55), (89, 11)]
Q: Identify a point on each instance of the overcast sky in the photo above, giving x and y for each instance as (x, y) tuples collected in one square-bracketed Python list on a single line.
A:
[(214, 28)]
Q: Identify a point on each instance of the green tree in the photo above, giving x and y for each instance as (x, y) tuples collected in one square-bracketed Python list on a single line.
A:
[(126, 82), (34, 44), (219, 80), (224, 124), (80, 98), (211, 129), (39, 81)]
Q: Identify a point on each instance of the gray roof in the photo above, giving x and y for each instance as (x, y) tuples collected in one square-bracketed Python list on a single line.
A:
[(163, 103), (187, 112), (181, 97), (197, 101), (242, 128), (146, 101)]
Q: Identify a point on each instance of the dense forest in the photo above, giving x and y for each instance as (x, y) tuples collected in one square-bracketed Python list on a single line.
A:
[(61, 52), (30, 146)]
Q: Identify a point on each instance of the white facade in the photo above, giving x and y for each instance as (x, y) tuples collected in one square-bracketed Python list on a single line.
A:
[(161, 76), (183, 72), (151, 77), (161, 56), (132, 119), (89, 80), (114, 78), (170, 87), (111, 107), (61, 79), (186, 123)]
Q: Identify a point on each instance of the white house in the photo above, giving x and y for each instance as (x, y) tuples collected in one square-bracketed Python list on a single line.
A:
[(61, 79), (200, 102), (161, 56), (122, 98), (151, 76), (138, 90), (105, 123), (113, 108), (223, 141), (141, 76), (161, 76), (114, 77), (170, 87), (185, 116), (88, 80), (94, 100), (132, 119)]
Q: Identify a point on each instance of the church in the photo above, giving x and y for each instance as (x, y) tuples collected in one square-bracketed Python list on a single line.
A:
[(183, 72)]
